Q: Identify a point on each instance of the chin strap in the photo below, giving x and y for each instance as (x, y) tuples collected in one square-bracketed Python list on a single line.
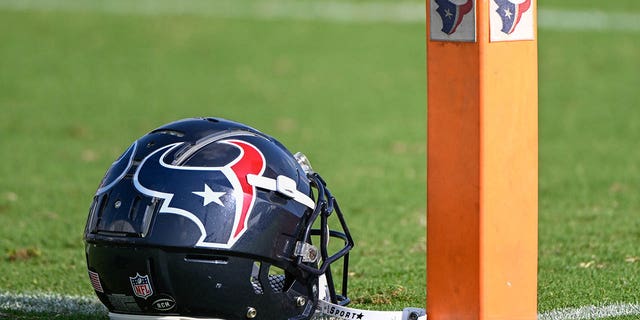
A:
[(329, 311)]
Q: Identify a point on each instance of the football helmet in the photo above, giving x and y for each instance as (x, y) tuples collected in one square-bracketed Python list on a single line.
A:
[(210, 218)]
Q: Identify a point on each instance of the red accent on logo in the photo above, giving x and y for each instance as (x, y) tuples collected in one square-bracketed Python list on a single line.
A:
[(251, 162), (142, 290), (463, 10), (522, 8)]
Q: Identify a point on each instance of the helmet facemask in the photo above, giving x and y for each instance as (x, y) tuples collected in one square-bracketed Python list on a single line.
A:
[(326, 206)]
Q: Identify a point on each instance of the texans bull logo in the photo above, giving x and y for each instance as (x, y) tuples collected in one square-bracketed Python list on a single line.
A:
[(511, 13), (452, 14), (218, 196)]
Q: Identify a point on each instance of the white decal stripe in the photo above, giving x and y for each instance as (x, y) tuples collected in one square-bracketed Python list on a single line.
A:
[(332, 11)]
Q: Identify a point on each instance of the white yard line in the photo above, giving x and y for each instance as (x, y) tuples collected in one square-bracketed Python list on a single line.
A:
[(51, 303), (591, 312), (261, 9), (332, 11), (89, 305), (582, 20)]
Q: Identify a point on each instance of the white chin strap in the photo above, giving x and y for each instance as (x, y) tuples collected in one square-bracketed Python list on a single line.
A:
[(124, 316), (326, 311), (339, 314), (330, 311)]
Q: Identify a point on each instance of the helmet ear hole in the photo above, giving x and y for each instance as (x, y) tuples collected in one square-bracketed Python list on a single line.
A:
[(265, 275), (255, 278), (277, 279)]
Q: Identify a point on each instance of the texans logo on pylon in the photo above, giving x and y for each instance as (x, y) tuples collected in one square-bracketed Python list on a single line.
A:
[(452, 14), (218, 194), (511, 13)]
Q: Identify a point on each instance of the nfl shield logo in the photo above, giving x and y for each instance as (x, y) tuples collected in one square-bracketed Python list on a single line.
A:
[(141, 286)]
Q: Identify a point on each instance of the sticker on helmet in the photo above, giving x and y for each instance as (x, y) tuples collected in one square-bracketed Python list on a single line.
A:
[(95, 281), (164, 303), (141, 286), (180, 199)]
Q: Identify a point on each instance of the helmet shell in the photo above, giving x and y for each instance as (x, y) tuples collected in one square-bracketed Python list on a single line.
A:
[(177, 228)]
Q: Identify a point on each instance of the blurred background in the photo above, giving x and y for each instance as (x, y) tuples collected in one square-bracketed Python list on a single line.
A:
[(342, 81), (80, 80)]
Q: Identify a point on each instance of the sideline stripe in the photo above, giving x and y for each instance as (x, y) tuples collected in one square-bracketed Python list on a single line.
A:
[(580, 20), (51, 303), (332, 11), (89, 305), (592, 312), (337, 11)]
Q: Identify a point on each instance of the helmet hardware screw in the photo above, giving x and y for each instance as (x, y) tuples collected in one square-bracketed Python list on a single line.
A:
[(301, 301), (251, 313), (117, 204), (313, 253)]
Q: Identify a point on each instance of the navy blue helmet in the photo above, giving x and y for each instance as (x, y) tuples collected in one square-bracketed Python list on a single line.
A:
[(209, 218)]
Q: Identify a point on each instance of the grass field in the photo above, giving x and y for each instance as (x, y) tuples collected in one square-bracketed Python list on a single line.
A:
[(77, 86)]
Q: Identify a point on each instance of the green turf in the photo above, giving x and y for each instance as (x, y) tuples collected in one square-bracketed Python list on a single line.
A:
[(589, 226), (588, 166), (13, 315), (77, 88)]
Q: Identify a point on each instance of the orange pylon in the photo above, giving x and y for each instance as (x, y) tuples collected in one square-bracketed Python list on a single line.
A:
[(482, 180)]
